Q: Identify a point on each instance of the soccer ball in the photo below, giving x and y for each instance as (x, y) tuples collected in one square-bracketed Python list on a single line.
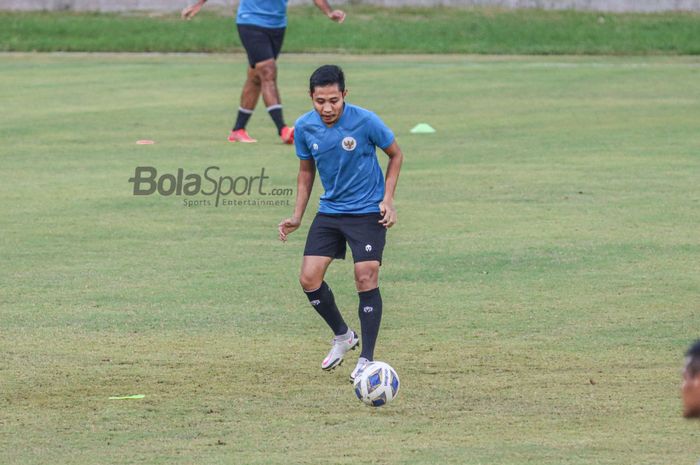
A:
[(377, 384)]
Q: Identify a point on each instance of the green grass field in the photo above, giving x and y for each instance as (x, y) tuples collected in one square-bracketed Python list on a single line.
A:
[(539, 289), (366, 30)]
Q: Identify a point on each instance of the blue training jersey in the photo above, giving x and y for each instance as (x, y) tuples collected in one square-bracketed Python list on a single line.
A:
[(263, 13), (346, 158)]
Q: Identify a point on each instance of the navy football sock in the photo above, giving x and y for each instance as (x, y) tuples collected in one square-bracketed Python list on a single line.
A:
[(370, 312), (275, 112), (242, 118), (323, 301)]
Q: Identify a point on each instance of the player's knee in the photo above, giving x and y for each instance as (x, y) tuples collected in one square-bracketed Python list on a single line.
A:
[(309, 282), (254, 78), (267, 71), (366, 279)]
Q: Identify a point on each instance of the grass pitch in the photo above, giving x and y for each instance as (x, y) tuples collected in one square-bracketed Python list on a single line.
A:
[(539, 288), (366, 29)]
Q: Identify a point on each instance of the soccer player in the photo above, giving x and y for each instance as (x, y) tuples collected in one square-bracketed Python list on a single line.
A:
[(261, 26), (339, 140), (691, 382)]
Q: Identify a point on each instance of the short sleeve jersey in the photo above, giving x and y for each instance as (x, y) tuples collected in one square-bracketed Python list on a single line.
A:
[(262, 13), (346, 158)]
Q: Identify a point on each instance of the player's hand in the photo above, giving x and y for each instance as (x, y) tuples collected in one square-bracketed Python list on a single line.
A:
[(287, 227), (337, 15), (189, 12), (388, 214)]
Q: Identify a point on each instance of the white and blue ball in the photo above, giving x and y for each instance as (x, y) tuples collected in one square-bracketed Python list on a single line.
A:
[(377, 384)]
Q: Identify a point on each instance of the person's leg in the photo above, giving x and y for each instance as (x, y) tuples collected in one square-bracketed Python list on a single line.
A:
[(370, 306), (320, 295), (366, 275), (257, 47), (249, 98), (267, 73), (324, 243), (313, 270), (367, 239)]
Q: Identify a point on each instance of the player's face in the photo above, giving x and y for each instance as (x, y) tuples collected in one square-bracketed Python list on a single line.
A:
[(328, 102), (691, 395)]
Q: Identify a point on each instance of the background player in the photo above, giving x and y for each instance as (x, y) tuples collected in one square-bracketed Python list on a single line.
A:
[(261, 25), (691, 382), (357, 206)]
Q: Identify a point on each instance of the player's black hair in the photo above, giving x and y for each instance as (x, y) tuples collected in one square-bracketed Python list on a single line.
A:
[(327, 75), (693, 355)]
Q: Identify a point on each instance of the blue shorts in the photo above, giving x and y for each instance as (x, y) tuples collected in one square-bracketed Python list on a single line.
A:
[(364, 234)]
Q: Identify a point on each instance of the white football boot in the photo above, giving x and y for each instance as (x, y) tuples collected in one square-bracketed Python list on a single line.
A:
[(361, 364), (340, 346)]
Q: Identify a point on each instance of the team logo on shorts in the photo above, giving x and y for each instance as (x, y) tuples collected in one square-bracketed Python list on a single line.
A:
[(368, 248), (314, 147), (349, 144)]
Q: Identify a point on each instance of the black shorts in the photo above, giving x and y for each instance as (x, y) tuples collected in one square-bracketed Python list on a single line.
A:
[(329, 233), (260, 43)]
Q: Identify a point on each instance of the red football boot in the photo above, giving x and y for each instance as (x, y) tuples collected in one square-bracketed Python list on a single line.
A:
[(240, 136), (287, 135)]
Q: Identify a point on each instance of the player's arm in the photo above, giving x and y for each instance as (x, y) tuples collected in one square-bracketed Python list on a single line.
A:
[(392, 178), (190, 11), (336, 15), (305, 182)]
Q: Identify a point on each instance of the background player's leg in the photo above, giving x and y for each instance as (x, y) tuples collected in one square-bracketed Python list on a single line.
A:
[(370, 308), (249, 98), (267, 72), (313, 269)]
